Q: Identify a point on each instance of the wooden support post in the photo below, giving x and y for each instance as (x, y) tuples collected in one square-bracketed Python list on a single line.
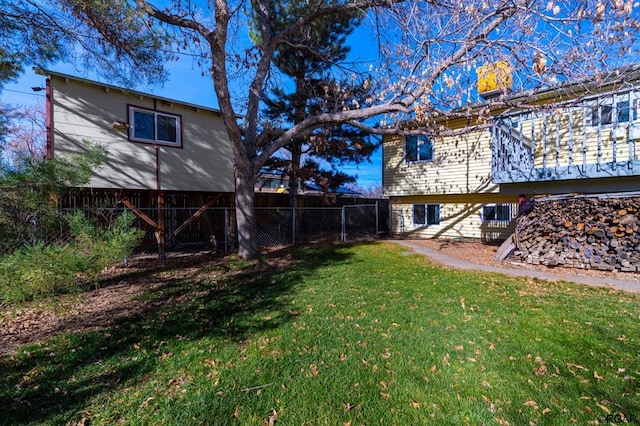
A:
[(160, 233), (139, 213)]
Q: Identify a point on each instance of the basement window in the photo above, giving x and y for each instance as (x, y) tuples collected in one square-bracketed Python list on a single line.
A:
[(155, 127), (418, 148), (496, 213), (426, 214)]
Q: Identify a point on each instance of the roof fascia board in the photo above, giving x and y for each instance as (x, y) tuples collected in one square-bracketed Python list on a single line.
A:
[(67, 77)]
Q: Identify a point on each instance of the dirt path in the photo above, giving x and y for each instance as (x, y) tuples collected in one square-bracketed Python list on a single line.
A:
[(471, 255), (94, 309)]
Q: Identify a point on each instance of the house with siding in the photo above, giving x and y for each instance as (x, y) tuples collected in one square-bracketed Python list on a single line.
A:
[(579, 137), (162, 153)]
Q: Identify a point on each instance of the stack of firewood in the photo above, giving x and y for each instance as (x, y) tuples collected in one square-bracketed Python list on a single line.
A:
[(586, 233)]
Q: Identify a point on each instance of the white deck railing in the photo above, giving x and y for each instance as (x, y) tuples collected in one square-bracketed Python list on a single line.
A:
[(589, 141)]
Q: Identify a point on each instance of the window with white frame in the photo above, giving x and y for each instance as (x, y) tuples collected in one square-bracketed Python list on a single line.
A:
[(621, 109), (496, 213), (426, 214), (155, 127), (418, 148)]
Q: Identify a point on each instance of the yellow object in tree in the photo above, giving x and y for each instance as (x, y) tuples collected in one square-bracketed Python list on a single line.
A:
[(494, 78)]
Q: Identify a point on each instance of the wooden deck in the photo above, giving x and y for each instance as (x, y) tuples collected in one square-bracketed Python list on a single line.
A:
[(597, 140)]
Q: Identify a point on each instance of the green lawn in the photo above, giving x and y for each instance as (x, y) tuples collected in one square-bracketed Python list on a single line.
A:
[(344, 335)]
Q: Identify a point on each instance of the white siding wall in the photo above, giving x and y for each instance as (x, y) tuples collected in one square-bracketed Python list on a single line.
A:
[(86, 111), (458, 218)]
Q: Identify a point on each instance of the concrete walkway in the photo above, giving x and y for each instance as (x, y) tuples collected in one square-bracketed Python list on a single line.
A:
[(632, 285)]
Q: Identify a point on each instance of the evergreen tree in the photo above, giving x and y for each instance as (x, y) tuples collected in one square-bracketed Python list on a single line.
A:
[(309, 59), (46, 31)]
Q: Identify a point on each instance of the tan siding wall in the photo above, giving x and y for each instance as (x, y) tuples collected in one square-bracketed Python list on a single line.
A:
[(83, 111), (462, 165), (460, 217)]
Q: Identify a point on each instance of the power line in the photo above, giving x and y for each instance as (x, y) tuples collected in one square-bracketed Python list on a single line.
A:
[(24, 93)]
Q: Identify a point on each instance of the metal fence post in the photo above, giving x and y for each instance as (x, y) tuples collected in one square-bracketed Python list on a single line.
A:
[(125, 261), (293, 221), (377, 229), (343, 236)]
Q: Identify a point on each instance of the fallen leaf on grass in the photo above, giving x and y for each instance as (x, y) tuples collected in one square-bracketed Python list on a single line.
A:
[(146, 402), (273, 417), (597, 376), (177, 382), (347, 406), (541, 371), (502, 422), (385, 395), (445, 359), (313, 368), (579, 367), (531, 404), (547, 410), (415, 404), (384, 385)]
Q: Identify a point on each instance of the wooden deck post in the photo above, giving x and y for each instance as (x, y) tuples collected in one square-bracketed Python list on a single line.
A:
[(160, 234)]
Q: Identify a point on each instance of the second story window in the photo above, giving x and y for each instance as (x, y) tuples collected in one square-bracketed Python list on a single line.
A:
[(612, 110), (418, 148), (154, 127)]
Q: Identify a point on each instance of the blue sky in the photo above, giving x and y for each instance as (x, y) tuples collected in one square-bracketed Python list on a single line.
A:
[(187, 84)]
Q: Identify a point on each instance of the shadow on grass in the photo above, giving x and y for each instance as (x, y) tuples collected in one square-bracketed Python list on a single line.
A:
[(54, 381)]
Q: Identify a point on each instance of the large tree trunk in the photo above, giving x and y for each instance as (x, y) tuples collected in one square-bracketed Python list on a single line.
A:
[(245, 216)]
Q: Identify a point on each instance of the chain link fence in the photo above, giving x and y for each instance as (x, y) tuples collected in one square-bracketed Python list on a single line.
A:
[(213, 229)]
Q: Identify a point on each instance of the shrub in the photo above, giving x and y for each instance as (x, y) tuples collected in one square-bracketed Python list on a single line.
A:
[(41, 270), (27, 213)]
